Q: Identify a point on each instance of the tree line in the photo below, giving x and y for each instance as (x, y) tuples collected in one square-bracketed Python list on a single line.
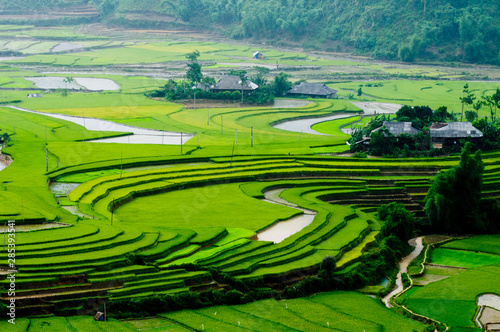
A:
[(197, 85), (449, 30)]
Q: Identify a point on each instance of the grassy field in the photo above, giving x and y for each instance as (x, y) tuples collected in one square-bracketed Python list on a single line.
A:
[(345, 311), (452, 300), (422, 92), (461, 258)]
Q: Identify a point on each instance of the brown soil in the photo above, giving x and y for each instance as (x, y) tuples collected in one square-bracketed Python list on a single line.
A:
[(431, 239)]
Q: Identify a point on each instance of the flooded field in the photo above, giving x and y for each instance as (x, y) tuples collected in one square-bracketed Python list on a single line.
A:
[(138, 135), (78, 83), (283, 229), (65, 47), (60, 189), (304, 125)]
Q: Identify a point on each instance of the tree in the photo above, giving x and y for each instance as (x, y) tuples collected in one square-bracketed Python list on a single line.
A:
[(488, 101), (398, 221), (193, 73), (496, 100), (281, 84), (452, 203), (243, 79), (327, 267), (360, 92), (193, 56), (260, 77), (442, 115), (470, 116), (467, 98)]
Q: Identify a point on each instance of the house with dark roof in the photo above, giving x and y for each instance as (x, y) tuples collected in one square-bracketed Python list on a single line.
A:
[(448, 134), (398, 128), (233, 83), (314, 90)]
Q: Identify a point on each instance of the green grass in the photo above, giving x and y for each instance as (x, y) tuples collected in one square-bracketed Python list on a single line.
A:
[(436, 93), (334, 127), (453, 300), (50, 324), (462, 258), (345, 311), (483, 243), (199, 207), (154, 324), (85, 323)]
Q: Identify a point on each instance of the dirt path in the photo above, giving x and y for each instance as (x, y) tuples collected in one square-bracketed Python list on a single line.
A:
[(403, 266)]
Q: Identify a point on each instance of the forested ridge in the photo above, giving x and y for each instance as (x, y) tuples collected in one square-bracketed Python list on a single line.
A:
[(408, 30)]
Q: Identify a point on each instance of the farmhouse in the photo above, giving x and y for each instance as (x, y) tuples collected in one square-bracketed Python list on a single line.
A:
[(233, 83), (398, 128), (448, 134), (315, 90), (258, 55)]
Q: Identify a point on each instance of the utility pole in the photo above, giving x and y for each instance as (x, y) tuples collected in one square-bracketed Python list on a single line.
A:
[(45, 134), (181, 142), (46, 160), (251, 137)]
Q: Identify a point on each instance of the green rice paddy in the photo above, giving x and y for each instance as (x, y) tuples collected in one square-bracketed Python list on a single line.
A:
[(150, 210)]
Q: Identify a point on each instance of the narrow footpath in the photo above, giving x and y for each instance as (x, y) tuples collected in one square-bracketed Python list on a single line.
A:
[(403, 268)]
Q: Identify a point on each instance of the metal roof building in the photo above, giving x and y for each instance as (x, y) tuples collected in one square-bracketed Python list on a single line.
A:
[(233, 83), (316, 90), (454, 130), (398, 128)]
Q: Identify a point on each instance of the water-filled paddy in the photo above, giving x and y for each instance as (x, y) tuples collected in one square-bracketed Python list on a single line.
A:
[(138, 135), (78, 83)]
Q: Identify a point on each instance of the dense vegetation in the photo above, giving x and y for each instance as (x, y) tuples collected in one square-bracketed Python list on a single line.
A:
[(454, 203), (449, 30)]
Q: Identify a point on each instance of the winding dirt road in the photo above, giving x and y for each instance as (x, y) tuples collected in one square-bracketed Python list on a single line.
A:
[(403, 268)]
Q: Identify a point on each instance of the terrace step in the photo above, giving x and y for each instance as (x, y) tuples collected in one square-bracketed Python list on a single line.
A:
[(63, 289), (44, 298), (34, 310), (61, 281)]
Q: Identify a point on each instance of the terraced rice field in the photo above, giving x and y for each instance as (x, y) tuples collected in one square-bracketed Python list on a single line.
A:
[(153, 220), (460, 271), (196, 209)]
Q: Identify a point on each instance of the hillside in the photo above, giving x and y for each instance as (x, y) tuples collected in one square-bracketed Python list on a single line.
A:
[(409, 30)]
